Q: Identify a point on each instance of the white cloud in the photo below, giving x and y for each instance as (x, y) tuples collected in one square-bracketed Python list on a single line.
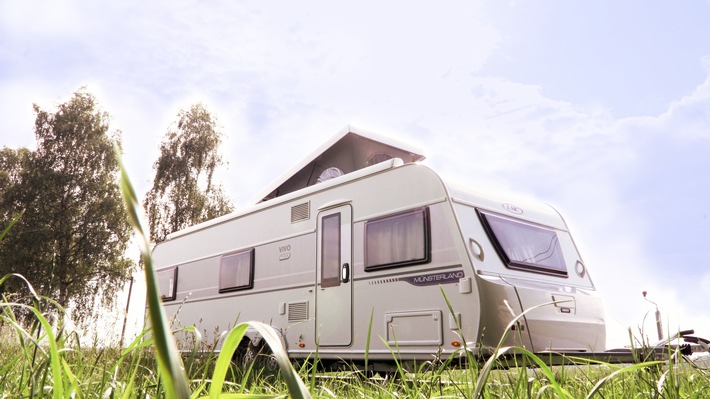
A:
[(618, 182), (495, 132), (283, 78), (58, 18)]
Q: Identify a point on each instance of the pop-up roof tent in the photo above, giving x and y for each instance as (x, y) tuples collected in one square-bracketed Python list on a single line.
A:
[(349, 150)]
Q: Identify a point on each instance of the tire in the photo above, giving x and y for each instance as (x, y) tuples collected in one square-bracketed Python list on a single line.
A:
[(257, 356), (245, 354), (265, 358)]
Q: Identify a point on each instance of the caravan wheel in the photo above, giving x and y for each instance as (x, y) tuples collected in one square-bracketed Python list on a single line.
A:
[(245, 354), (265, 358), (270, 363), (259, 356)]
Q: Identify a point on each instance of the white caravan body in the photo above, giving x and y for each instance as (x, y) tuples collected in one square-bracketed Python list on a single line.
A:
[(378, 251)]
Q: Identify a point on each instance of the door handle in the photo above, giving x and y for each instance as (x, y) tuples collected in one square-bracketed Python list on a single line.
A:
[(345, 273)]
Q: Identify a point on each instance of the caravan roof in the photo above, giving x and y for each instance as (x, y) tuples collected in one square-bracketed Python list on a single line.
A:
[(349, 150)]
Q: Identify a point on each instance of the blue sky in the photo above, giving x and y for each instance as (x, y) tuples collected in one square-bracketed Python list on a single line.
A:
[(600, 108)]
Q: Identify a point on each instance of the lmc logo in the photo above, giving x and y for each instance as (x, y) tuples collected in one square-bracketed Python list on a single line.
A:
[(513, 208)]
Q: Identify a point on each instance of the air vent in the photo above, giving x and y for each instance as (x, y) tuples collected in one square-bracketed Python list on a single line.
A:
[(297, 311), (300, 212)]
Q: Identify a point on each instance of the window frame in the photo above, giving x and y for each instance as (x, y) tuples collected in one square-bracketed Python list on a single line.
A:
[(426, 220), (250, 284), (173, 294), (520, 265)]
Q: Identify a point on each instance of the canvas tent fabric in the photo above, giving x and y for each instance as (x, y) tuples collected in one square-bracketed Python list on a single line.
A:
[(350, 150)]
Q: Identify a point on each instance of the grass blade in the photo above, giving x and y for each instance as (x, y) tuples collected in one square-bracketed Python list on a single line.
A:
[(12, 223), (229, 346), (367, 342), (627, 369), (296, 387), (500, 350), (169, 362), (55, 363)]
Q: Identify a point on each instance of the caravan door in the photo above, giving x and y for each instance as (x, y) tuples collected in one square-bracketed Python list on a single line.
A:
[(333, 285)]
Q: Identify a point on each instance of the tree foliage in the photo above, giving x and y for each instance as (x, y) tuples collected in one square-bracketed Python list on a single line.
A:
[(12, 163), (71, 241), (183, 191)]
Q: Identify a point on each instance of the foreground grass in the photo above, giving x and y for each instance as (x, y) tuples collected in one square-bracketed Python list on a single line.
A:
[(26, 371), (40, 359)]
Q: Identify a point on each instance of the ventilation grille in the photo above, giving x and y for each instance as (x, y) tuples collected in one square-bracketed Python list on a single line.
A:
[(300, 212), (385, 281), (297, 311)]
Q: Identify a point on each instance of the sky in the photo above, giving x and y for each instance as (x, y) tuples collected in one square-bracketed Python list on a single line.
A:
[(600, 108)]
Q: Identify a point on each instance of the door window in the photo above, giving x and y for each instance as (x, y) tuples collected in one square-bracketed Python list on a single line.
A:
[(330, 254)]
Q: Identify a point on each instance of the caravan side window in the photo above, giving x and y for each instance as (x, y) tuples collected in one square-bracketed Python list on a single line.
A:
[(167, 284), (236, 271), (401, 239)]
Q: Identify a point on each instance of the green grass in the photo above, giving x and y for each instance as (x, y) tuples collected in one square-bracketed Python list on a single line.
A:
[(43, 360)]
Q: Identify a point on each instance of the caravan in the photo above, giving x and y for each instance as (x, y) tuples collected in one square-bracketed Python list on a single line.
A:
[(361, 240)]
